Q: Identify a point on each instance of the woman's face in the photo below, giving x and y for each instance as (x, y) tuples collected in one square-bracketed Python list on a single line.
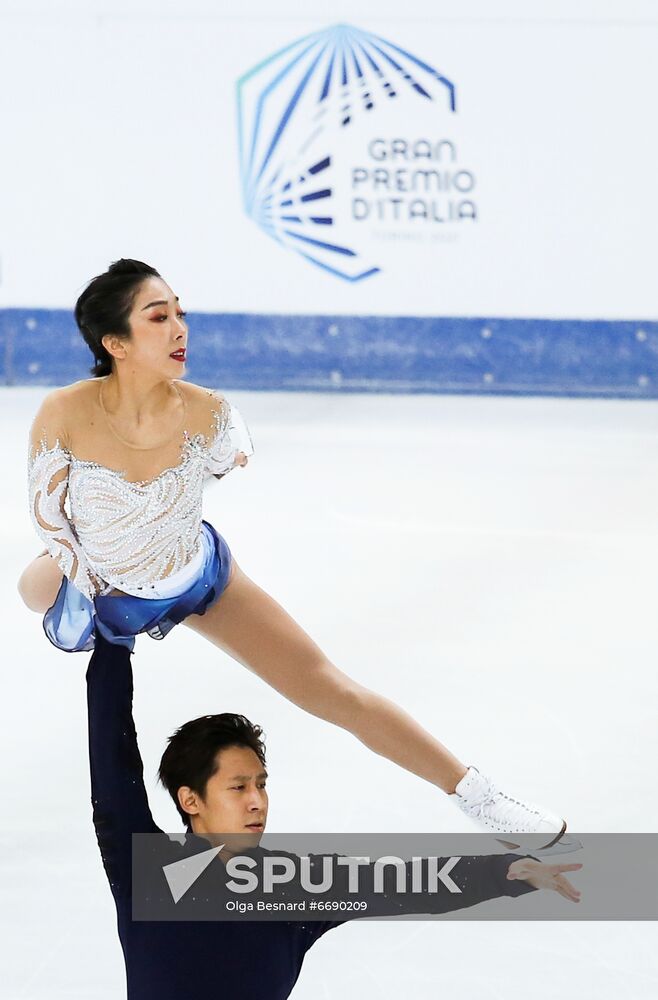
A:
[(158, 331)]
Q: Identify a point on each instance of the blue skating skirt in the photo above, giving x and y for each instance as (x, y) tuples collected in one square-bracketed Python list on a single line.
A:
[(73, 621)]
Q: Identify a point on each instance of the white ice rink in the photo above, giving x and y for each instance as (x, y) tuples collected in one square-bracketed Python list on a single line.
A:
[(488, 563)]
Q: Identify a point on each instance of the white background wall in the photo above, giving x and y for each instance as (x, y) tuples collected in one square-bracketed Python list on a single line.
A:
[(119, 129)]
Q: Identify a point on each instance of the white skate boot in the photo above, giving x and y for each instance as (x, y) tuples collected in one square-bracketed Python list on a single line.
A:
[(530, 826)]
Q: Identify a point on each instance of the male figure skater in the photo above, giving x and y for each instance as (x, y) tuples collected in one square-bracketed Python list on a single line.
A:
[(218, 784)]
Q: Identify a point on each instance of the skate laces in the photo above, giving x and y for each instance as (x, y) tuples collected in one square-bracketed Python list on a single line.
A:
[(507, 810)]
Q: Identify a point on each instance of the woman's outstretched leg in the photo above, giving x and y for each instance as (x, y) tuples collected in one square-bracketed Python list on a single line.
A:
[(249, 625), (256, 631)]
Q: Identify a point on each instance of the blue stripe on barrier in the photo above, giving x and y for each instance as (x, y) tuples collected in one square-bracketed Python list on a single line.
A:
[(367, 353)]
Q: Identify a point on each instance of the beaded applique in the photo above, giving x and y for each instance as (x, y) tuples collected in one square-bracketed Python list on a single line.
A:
[(129, 535), (47, 489)]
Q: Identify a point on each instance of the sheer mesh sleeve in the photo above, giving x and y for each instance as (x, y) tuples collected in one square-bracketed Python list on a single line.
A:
[(48, 472), (230, 437)]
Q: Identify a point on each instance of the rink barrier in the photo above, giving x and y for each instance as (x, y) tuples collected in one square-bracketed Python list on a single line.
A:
[(368, 353)]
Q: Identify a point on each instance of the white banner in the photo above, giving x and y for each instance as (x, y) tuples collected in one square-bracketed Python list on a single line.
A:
[(489, 165)]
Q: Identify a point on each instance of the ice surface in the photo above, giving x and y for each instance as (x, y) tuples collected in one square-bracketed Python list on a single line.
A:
[(489, 563)]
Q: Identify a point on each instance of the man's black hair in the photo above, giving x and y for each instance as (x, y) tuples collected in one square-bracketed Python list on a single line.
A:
[(191, 757)]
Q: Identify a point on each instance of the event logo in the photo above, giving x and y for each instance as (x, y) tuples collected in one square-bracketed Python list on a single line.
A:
[(342, 144)]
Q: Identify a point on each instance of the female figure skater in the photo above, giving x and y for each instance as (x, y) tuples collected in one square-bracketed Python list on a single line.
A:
[(130, 448)]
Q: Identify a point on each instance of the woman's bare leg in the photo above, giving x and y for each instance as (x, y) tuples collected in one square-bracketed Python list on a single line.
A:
[(40, 582), (249, 625), (256, 631)]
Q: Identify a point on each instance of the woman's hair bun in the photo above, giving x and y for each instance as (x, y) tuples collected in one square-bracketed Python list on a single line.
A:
[(128, 266), (105, 304)]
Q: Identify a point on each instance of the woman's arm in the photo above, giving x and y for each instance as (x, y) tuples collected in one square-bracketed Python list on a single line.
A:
[(224, 448), (48, 471)]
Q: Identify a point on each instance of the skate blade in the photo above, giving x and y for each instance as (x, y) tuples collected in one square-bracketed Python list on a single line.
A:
[(565, 845)]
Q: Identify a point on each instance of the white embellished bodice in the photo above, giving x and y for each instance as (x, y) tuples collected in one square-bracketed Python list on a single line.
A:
[(126, 535)]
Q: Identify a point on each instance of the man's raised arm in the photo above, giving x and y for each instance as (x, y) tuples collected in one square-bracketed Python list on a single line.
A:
[(119, 800)]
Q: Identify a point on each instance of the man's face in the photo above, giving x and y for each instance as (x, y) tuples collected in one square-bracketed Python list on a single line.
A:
[(235, 800)]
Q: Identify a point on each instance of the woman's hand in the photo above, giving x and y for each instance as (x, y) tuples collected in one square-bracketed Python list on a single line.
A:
[(241, 458), (545, 876)]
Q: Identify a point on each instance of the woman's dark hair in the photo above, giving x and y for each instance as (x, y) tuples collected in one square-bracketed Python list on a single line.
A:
[(105, 305), (191, 755)]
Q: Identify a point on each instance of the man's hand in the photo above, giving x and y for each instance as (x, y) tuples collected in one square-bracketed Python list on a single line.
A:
[(545, 876)]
